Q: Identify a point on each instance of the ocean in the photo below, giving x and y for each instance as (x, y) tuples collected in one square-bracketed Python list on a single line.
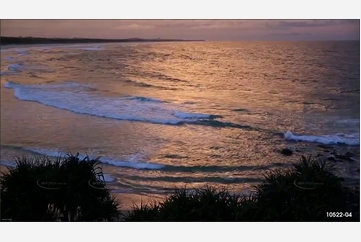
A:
[(166, 115)]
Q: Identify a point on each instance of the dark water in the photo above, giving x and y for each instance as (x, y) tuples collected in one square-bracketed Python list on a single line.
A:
[(175, 114)]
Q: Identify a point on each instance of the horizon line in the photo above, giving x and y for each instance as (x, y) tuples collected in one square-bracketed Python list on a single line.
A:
[(180, 39)]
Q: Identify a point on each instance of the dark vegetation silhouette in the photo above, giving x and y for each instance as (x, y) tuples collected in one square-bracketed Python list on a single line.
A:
[(71, 189), (305, 192), (67, 189)]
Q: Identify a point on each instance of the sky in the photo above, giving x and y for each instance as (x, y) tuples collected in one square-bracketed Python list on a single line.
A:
[(212, 30)]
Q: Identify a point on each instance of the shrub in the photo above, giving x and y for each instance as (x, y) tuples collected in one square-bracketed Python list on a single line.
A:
[(208, 204), (144, 212), (65, 189), (71, 189), (304, 193)]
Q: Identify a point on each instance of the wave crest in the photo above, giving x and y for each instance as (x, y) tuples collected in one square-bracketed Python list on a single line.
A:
[(345, 139)]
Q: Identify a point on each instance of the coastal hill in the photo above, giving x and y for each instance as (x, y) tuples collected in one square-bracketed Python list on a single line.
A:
[(38, 40)]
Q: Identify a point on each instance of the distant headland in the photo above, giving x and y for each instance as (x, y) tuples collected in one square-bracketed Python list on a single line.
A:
[(39, 40)]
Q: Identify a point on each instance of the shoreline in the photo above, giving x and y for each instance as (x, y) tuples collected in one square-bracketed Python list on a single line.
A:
[(183, 204), (342, 168)]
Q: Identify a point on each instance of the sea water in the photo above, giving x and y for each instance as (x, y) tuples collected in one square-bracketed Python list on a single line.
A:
[(166, 115)]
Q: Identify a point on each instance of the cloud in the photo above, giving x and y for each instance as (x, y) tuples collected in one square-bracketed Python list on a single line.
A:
[(290, 34), (288, 24), (210, 26), (302, 24), (134, 27), (189, 29)]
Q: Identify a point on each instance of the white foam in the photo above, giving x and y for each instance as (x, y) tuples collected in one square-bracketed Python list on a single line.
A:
[(6, 73), (19, 51), (42, 48), (22, 50), (108, 178), (9, 58), (15, 67), (92, 48), (22, 67), (184, 115), (76, 97), (10, 84), (350, 139), (23, 54), (144, 99), (81, 47), (351, 121), (8, 163), (131, 163)]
